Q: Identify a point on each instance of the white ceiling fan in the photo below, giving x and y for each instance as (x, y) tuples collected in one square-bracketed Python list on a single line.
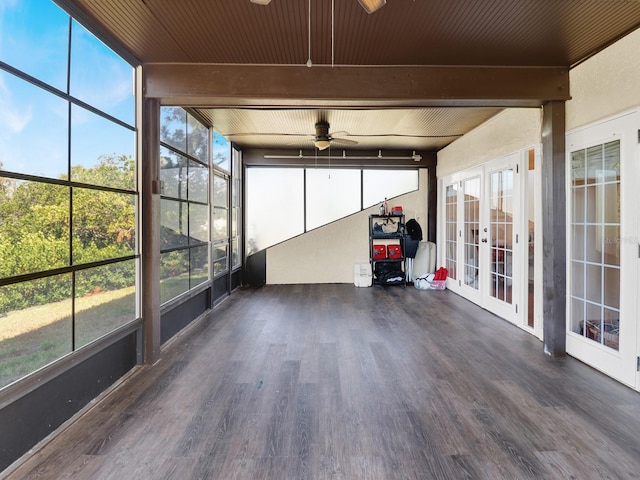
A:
[(370, 6), (323, 139)]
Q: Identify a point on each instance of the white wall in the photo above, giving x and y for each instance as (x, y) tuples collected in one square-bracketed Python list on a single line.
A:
[(606, 84), (602, 86), (507, 132), (328, 254)]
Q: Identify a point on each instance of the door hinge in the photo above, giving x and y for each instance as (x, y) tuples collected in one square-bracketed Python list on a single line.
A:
[(517, 168), (516, 238), (516, 308), (639, 250), (638, 136), (638, 365), (459, 283)]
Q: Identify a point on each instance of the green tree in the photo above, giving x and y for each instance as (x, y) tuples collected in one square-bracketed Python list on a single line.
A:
[(184, 132), (35, 228)]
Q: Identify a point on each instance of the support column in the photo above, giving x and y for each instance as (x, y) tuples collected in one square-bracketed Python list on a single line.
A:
[(150, 194), (432, 204), (554, 241)]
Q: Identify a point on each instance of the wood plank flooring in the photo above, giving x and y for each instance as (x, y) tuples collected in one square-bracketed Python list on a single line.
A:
[(338, 382)]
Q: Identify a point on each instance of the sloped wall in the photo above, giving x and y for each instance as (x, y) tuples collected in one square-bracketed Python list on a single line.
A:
[(328, 254)]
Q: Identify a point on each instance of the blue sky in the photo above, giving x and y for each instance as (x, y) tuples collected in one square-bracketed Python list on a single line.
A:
[(33, 124)]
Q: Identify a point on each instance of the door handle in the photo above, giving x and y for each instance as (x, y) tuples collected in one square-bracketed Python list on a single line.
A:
[(484, 240)]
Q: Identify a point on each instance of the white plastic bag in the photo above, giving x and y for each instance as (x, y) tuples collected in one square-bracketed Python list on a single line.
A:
[(423, 282)]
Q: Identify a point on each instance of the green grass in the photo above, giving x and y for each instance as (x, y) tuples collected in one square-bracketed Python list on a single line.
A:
[(36, 336)]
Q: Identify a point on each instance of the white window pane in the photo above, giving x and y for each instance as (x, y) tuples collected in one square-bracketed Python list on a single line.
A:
[(173, 223), (221, 152), (381, 184), (174, 274), (173, 174), (198, 182), (36, 325), (275, 206), (108, 154), (33, 129), (173, 127), (99, 77), (198, 223), (42, 55), (105, 300), (331, 194), (197, 139), (199, 267)]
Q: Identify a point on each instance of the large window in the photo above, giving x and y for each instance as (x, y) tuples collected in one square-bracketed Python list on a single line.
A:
[(184, 204), (220, 223), (331, 194), (68, 193), (236, 209), (275, 206), (380, 184), (285, 202)]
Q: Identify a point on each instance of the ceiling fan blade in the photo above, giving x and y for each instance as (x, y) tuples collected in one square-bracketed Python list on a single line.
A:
[(343, 141), (371, 6), (341, 133), (267, 134)]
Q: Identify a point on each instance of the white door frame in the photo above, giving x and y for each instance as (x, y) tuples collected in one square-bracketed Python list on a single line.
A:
[(620, 364), (458, 285), (481, 296), (514, 311)]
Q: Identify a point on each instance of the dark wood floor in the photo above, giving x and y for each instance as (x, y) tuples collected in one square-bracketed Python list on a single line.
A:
[(333, 381)]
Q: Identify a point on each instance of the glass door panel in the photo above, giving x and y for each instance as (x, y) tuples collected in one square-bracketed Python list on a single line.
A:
[(471, 231), (531, 200), (595, 237), (502, 259), (451, 230), (603, 265), (501, 238)]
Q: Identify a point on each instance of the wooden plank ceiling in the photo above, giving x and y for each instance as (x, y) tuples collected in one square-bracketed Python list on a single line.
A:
[(493, 33)]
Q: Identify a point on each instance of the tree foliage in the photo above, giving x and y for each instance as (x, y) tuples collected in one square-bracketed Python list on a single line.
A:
[(37, 232)]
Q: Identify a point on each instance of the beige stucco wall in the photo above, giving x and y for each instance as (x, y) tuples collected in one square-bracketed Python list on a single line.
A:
[(606, 84), (601, 87), (328, 254), (507, 132)]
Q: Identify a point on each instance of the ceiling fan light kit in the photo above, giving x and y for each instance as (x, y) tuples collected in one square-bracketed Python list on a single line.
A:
[(261, 2), (322, 143)]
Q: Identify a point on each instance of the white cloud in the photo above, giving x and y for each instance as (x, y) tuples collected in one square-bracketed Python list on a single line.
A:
[(13, 118)]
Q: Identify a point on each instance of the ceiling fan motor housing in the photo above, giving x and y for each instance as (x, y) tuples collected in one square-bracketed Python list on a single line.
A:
[(322, 131), (322, 139)]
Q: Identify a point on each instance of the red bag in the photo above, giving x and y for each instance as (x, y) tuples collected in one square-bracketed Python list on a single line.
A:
[(441, 274), (439, 281)]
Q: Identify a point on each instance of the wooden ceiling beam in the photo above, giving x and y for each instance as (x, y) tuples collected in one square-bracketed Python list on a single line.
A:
[(209, 85)]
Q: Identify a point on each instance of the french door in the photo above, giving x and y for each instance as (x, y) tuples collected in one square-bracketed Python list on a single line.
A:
[(483, 236), (603, 249), (502, 221)]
